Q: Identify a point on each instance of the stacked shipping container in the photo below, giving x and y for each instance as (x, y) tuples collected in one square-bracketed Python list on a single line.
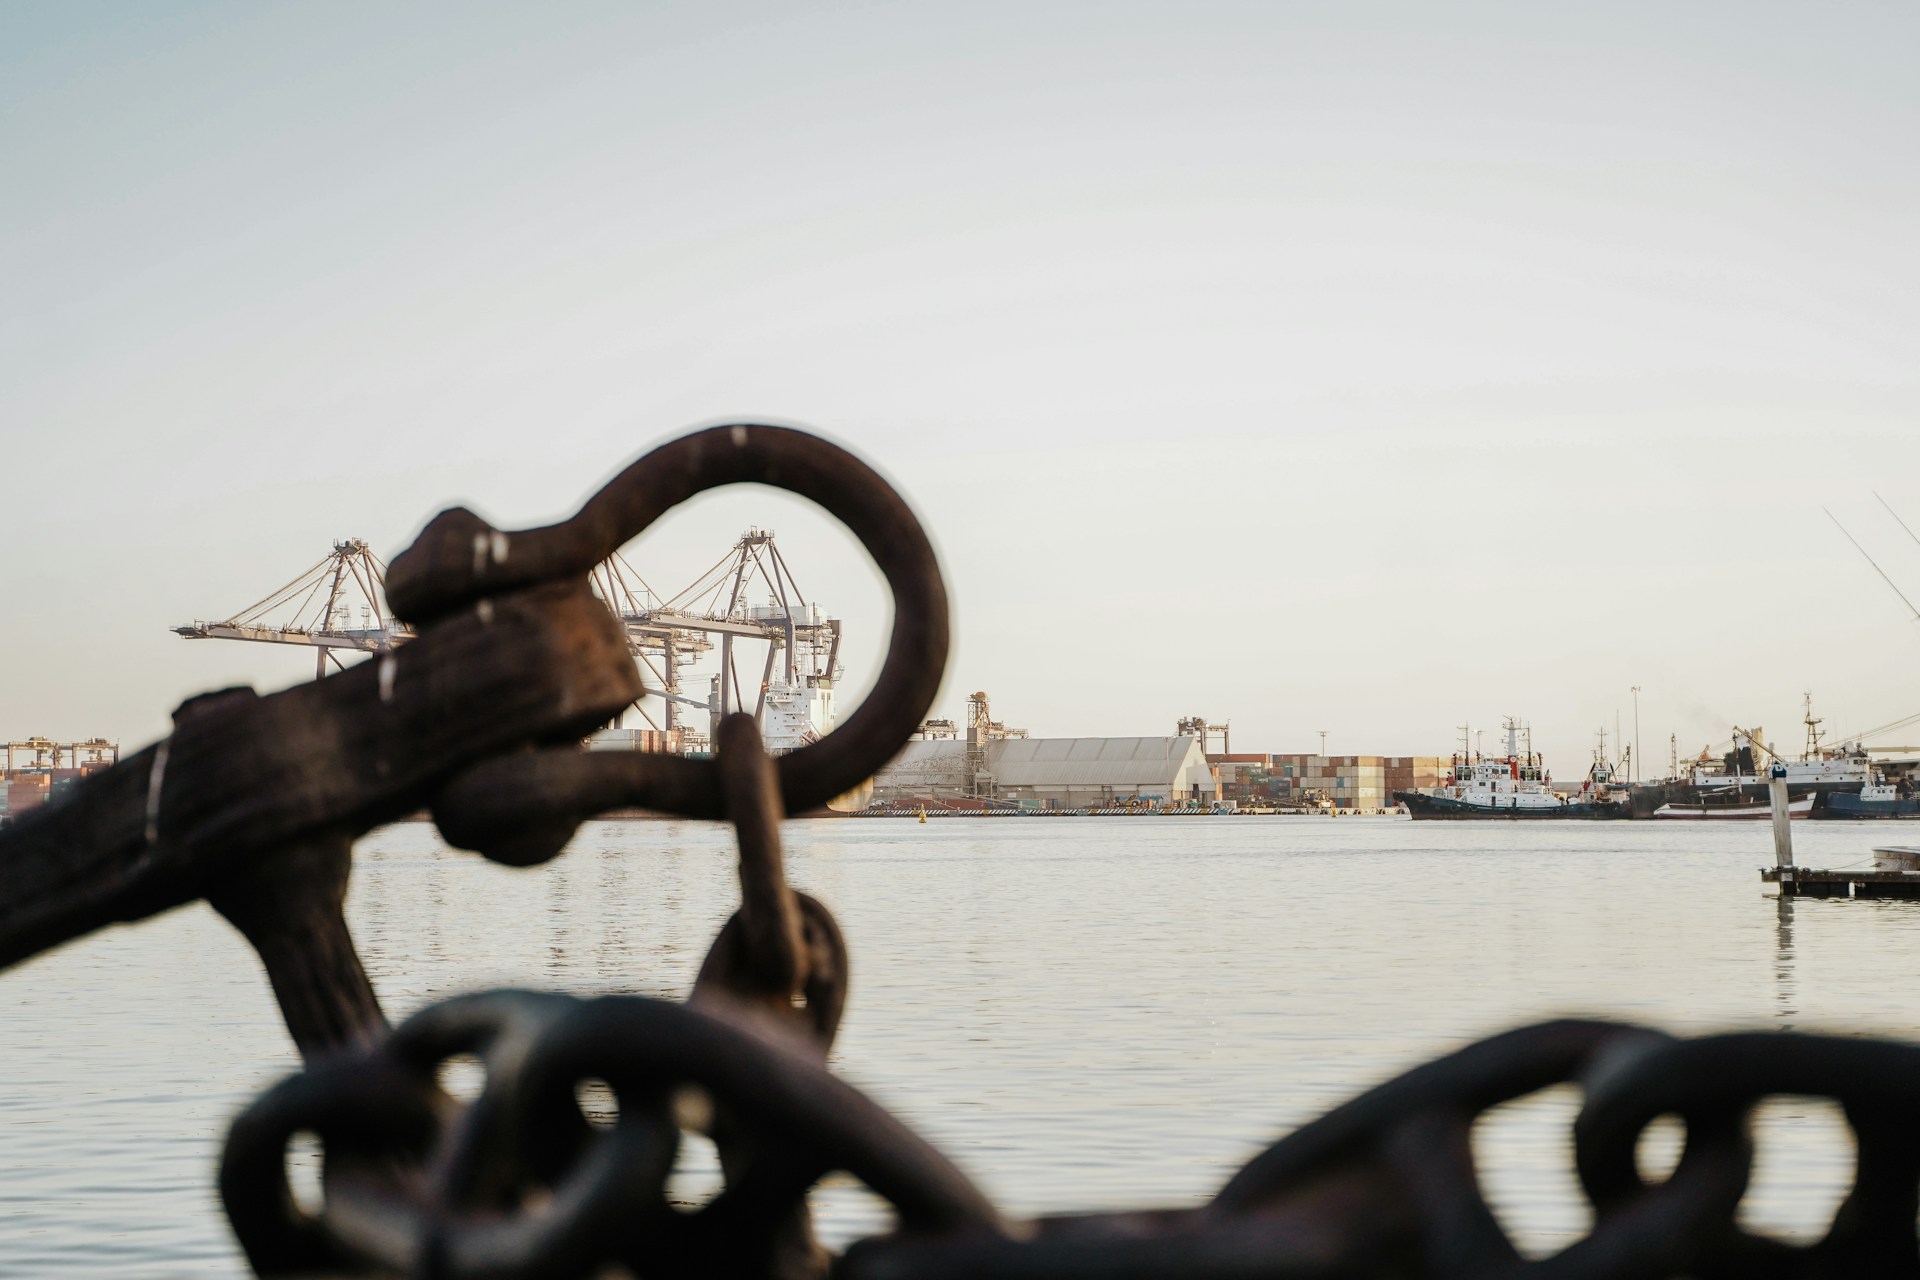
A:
[(1353, 784), (1415, 773), (657, 740), (25, 789)]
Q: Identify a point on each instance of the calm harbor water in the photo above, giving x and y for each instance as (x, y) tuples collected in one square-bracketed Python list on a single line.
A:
[(1083, 1013)]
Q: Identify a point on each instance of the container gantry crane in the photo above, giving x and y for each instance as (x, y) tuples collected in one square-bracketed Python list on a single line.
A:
[(666, 636), (318, 607), (1197, 727), (800, 638)]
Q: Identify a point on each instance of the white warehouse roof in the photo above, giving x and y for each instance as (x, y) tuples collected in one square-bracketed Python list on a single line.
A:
[(1125, 764), (1097, 762)]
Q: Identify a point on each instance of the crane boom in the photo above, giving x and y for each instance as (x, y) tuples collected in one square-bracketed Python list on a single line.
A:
[(316, 610)]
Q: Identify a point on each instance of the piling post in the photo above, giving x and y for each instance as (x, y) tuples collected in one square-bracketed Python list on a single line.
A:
[(1782, 820)]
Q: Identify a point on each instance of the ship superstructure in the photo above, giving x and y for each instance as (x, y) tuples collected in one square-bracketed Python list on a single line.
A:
[(1820, 768)]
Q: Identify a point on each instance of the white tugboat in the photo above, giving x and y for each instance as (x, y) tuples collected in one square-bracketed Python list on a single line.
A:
[(1518, 786)]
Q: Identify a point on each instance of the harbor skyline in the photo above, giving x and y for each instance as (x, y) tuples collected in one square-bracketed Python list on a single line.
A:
[(1317, 478), (1258, 367), (1368, 717)]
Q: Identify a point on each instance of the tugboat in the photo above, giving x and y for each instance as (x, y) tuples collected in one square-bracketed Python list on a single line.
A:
[(1516, 787), (1878, 799)]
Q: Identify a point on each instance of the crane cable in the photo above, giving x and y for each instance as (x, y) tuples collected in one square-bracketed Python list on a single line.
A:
[(1876, 565)]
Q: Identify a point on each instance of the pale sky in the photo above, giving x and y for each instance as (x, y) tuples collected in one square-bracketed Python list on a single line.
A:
[(1360, 367)]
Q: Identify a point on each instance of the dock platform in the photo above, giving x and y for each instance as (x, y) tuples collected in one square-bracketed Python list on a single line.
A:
[(1804, 882), (1895, 873)]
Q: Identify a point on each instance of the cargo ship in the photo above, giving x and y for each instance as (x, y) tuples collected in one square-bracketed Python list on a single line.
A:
[(1741, 772), (1825, 782)]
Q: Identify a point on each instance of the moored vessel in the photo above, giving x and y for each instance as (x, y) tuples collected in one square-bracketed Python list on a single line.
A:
[(1824, 782), (1878, 799), (1728, 804), (1820, 770), (1516, 787)]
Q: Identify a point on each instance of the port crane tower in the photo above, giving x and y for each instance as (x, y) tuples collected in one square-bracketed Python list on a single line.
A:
[(318, 608), (666, 635), (1197, 727), (661, 652), (800, 640), (44, 753)]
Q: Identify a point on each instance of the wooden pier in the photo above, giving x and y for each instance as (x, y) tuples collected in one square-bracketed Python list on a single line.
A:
[(1895, 872), (1859, 882)]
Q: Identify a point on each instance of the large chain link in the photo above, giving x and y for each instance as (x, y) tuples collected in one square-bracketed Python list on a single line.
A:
[(253, 803), (1383, 1186)]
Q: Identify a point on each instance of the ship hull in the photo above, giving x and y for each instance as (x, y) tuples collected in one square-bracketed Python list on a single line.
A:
[(1748, 812), (1422, 806), (1849, 805)]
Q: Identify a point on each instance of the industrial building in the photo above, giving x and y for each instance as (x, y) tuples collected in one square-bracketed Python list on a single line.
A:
[(988, 762), (1049, 773), (994, 764)]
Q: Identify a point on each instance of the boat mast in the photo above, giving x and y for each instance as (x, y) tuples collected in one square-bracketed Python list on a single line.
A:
[(1812, 722)]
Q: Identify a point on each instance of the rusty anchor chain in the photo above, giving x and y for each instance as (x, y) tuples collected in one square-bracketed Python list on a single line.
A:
[(1383, 1186), (546, 1194), (781, 956), (253, 803), (519, 1184)]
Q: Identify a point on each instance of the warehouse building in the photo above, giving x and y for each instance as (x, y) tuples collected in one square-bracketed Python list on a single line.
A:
[(1049, 773)]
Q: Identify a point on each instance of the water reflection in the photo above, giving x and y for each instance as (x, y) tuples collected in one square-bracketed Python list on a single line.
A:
[(1783, 983), (1084, 1014)]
